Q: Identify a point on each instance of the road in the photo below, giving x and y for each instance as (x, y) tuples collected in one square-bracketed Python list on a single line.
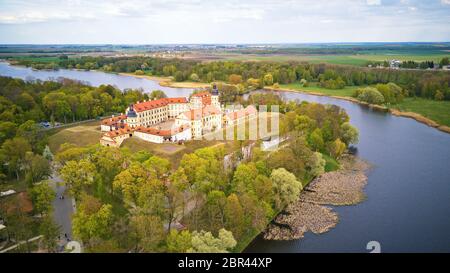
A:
[(63, 209)]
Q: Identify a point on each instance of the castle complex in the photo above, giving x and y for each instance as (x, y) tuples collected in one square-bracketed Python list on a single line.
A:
[(172, 119)]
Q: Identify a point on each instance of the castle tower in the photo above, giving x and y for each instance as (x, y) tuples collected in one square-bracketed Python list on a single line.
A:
[(132, 118), (215, 97)]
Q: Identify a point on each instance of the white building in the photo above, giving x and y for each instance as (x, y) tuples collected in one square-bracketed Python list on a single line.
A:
[(204, 120)]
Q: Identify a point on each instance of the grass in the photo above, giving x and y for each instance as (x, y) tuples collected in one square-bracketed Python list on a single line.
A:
[(38, 59), (438, 111), (314, 88), (81, 135), (341, 59), (331, 164), (172, 151)]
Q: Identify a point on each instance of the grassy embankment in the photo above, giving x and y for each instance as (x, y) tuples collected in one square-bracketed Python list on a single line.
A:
[(169, 81), (438, 111)]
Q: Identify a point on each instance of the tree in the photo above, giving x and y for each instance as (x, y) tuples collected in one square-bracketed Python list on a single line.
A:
[(444, 61), (205, 242), (14, 152), (42, 195), (243, 176), (160, 165), (268, 79), (77, 175), (194, 77), (349, 134), (234, 215), (263, 188), (92, 219), (157, 94), (235, 79), (47, 153), (439, 95), (37, 168), (315, 140), (316, 164), (7, 130), (179, 241), (131, 181), (286, 187), (50, 232), (32, 133), (149, 232), (370, 95), (175, 194), (336, 148)]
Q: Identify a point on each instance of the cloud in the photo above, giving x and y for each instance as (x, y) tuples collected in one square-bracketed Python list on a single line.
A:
[(231, 21), (373, 2)]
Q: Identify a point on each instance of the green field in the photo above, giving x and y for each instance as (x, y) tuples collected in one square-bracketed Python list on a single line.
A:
[(313, 88), (438, 111), (38, 59), (356, 59)]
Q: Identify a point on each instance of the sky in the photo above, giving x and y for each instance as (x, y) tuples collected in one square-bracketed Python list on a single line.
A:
[(222, 21)]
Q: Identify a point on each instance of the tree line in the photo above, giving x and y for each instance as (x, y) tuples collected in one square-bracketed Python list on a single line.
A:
[(251, 75)]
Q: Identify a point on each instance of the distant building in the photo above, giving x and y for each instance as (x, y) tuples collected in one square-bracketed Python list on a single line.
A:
[(395, 64)]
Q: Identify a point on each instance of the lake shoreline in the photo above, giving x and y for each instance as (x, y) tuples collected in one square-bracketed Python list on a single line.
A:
[(417, 117), (167, 81), (312, 212)]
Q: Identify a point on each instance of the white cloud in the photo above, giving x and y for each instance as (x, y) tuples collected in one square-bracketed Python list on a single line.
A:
[(445, 2), (233, 21), (373, 2)]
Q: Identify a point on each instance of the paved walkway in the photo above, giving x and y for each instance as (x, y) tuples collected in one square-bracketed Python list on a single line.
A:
[(63, 209)]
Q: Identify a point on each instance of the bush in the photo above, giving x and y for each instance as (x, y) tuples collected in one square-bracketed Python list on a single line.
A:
[(391, 92), (370, 95)]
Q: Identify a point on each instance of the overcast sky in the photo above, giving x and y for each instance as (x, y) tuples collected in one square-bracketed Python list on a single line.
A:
[(225, 21)]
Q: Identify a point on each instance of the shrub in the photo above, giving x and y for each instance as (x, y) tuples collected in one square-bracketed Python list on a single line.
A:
[(370, 95)]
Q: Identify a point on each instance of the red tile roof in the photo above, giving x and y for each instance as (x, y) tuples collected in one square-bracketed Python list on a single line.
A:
[(249, 110), (113, 120), (158, 132), (205, 96), (196, 114), (119, 132), (152, 104)]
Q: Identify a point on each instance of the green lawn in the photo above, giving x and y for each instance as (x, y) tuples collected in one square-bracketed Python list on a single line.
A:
[(80, 135), (438, 111), (345, 92)]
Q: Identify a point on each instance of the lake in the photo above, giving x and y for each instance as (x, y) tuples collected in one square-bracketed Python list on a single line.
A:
[(408, 191), (94, 78)]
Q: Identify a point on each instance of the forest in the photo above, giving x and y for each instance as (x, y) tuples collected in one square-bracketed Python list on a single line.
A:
[(247, 74), (141, 202)]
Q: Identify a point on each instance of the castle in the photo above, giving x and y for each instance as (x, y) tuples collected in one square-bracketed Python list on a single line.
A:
[(172, 119)]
